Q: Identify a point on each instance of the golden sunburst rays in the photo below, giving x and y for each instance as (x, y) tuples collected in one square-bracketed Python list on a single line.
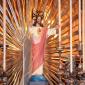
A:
[(14, 39), (18, 19), (40, 5), (14, 67), (51, 61), (12, 29), (51, 64), (16, 32), (31, 7), (51, 14)]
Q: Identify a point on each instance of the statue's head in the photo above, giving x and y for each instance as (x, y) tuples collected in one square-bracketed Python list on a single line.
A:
[(34, 17), (40, 17), (37, 17)]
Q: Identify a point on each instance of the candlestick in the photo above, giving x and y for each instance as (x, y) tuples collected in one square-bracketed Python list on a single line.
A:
[(71, 58), (83, 33), (4, 35)]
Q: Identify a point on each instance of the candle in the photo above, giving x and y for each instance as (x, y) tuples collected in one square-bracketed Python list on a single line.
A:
[(4, 35), (80, 31), (80, 21), (71, 58), (83, 33), (59, 7)]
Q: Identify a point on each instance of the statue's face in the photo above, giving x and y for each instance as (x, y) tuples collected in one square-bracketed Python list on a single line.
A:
[(34, 19), (39, 19)]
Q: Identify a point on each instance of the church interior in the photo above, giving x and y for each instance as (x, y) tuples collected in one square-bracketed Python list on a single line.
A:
[(64, 57)]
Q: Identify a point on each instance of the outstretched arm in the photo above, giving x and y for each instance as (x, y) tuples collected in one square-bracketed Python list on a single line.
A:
[(53, 31)]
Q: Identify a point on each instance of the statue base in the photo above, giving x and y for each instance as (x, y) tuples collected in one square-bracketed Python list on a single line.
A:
[(38, 80)]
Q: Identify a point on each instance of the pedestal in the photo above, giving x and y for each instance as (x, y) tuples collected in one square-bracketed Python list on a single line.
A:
[(38, 80)]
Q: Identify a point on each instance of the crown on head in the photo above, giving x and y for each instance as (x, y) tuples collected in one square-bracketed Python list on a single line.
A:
[(36, 13)]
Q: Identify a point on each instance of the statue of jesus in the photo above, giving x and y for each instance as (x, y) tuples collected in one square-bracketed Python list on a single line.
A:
[(38, 34)]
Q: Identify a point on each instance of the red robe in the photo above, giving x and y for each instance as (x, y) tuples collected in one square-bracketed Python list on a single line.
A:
[(38, 51)]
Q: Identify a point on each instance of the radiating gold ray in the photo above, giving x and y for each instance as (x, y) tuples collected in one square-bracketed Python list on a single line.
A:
[(40, 5), (23, 13), (15, 8)]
